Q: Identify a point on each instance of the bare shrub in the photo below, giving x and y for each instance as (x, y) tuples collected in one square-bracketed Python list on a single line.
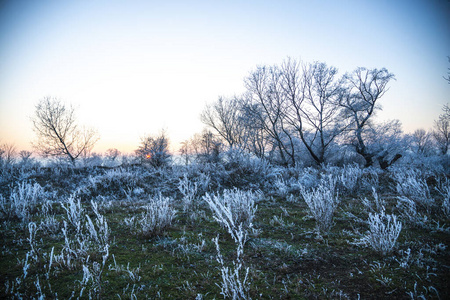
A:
[(411, 185), (375, 205), (383, 232), (155, 150), (234, 209), (322, 202), (409, 212), (22, 201), (444, 190), (158, 215), (349, 177), (189, 190)]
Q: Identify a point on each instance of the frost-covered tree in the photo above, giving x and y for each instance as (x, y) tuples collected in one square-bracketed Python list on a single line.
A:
[(314, 112), (364, 88), (385, 142), (224, 117), (266, 104), (295, 105), (441, 132), (420, 141), (202, 147)]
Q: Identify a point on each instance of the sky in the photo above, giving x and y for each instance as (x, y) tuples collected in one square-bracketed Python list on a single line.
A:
[(132, 68)]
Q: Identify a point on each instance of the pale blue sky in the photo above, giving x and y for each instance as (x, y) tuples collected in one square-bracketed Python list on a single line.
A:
[(134, 67)]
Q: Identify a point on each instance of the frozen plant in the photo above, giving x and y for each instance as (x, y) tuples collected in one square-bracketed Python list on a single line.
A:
[(376, 205), (369, 178), (93, 271), (23, 200), (203, 182), (409, 184), (322, 202), (100, 231), (444, 189), (189, 191), (235, 284), (426, 294), (383, 232), (158, 215), (308, 179), (74, 212), (281, 187), (82, 238), (234, 208), (349, 177), (408, 211)]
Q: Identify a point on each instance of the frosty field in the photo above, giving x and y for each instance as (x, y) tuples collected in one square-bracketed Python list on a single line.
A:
[(236, 230)]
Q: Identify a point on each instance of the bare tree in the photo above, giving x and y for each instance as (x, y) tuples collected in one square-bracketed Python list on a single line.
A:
[(112, 154), (448, 76), (441, 131), (58, 135), (25, 157), (256, 139), (314, 110), (420, 140), (268, 106), (364, 88), (224, 117), (7, 154)]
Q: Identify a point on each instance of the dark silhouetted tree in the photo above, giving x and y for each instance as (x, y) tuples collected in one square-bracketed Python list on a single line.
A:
[(155, 150), (58, 135)]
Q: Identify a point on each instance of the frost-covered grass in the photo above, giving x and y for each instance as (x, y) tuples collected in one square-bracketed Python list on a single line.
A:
[(158, 215), (129, 234), (411, 184), (21, 202)]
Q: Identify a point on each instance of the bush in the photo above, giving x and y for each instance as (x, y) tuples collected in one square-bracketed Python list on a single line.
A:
[(118, 182), (22, 201), (234, 208), (322, 202), (411, 185), (444, 190), (189, 190), (383, 232), (349, 177), (158, 215)]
